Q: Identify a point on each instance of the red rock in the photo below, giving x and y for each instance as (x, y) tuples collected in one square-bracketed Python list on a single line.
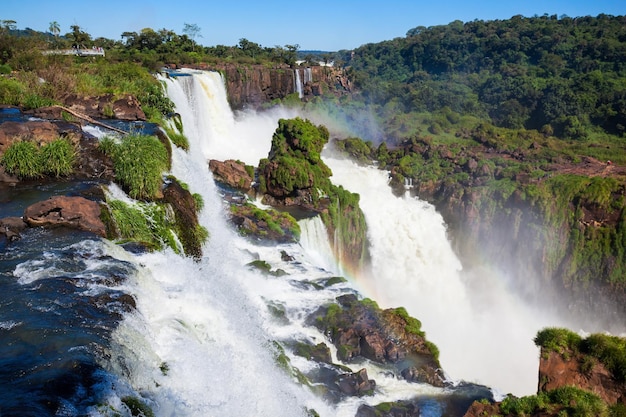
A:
[(231, 173), (75, 212)]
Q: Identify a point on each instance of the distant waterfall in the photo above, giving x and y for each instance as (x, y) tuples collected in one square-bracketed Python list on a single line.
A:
[(308, 75), (298, 86)]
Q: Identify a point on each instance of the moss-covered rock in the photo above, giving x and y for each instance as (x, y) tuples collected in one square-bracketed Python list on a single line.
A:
[(294, 176), (266, 225), (360, 329), (189, 231), (596, 363)]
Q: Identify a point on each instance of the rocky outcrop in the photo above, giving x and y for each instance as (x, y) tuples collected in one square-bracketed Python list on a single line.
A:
[(356, 384), (106, 107), (185, 212), (582, 371), (11, 227), (255, 85), (359, 329), (75, 212), (231, 173), (295, 177), (91, 163), (396, 409), (39, 131), (264, 225)]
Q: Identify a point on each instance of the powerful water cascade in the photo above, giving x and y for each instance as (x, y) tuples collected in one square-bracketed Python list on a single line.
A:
[(413, 264), (199, 338), (484, 336)]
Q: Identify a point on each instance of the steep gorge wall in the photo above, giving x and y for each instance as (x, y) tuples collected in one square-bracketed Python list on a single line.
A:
[(254, 85), (533, 252)]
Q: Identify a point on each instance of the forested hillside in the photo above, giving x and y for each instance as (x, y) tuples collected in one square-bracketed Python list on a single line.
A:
[(564, 76)]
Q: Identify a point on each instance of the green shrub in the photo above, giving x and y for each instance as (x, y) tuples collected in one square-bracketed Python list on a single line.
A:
[(610, 351), (57, 157), (23, 160), (558, 340), (132, 223), (11, 91), (139, 162), (176, 134), (570, 400), (34, 101)]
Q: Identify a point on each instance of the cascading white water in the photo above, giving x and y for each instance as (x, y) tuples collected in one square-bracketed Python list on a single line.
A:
[(485, 336), (314, 240), (203, 328), (208, 108), (298, 85), (197, 344), (308, 75)]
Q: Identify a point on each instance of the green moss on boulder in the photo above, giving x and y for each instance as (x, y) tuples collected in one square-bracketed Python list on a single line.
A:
[(294, 175)]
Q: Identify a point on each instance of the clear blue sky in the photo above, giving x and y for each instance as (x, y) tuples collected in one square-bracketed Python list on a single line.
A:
[(323, 25)]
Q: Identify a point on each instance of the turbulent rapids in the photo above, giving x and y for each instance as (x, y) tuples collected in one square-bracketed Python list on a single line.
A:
[(197, 338)]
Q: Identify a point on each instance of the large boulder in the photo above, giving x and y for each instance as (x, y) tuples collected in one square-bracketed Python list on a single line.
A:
[(575, 369), (75, 212), (39, 131), (356, 384), (232, 173)]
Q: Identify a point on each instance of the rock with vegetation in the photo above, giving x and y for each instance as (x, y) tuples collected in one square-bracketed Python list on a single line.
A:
[(578, 376), (264, 224), (596, 363), (186, 226), (360, 329), (295, 177), (139, 163), (395, 409)]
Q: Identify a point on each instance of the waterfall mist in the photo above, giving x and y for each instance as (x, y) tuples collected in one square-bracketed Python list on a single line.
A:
[(484, 332)]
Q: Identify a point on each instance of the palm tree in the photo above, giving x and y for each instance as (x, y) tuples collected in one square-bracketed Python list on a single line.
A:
[(55, 29)]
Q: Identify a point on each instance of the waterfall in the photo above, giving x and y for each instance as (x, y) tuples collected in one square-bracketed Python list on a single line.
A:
[(200, 341), (308, 75), (298, 83), (205, 112), (314, 240), (484, 336), (197, 345)]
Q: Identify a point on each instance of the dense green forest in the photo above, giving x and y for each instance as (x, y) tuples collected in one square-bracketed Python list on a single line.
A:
[(564, 76)]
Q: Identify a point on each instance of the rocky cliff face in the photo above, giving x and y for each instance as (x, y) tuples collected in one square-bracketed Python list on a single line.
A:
[(581, 371), (254, 85)]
